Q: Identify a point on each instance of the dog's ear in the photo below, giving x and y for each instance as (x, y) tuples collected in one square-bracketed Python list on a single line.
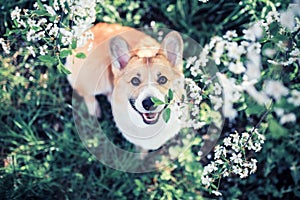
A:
[(119, 52), (172, 46)]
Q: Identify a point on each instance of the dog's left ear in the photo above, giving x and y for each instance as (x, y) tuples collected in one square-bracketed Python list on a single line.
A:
[(172, 46), (119, 51)]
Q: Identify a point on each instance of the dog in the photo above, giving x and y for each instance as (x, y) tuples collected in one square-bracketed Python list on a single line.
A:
[(131, 68)]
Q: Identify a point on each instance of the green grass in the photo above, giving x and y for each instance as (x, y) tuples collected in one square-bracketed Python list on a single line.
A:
[(42, 155)]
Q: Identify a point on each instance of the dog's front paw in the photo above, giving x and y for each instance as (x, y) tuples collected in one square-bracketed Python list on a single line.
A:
[(97, 112), (93, 106)]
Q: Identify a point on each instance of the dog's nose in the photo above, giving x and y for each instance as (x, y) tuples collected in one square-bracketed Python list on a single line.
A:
[(148, 104)]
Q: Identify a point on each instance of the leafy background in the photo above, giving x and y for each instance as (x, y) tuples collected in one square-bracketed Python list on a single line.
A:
[(41, 154)]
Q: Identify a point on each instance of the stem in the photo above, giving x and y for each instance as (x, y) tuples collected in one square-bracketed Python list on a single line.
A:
[(259, 123)]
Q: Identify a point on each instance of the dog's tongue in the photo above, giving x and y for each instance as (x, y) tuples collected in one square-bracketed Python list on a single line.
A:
[(149, 115)]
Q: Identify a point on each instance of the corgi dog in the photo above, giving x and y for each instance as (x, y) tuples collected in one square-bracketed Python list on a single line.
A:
[(131, 68)]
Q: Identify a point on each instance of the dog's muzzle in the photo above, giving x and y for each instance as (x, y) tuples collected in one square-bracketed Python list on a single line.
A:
[(149, 117)]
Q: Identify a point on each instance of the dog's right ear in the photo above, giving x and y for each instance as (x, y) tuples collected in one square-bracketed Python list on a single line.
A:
[(119, 52)]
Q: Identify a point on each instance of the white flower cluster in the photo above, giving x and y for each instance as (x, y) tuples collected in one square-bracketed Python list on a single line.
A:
[(230, 158), (241, 57), (194, 98), (289, 22), (284, 117), (48, 25), (203, 1), (5, 46)]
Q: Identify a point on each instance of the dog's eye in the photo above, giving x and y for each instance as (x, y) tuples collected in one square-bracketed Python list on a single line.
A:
[(162, 80), (135, 81)]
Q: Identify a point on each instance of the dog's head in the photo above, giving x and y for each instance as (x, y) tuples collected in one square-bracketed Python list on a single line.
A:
[(145, 72)]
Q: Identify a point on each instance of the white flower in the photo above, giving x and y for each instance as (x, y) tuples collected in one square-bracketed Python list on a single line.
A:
[(41, 22), (219, 162), (5, 46), (220, 151), (229, 111), (244, 173), (54, 30), (219, 50), (235, 137), (236, 158), (50, 10), (217, 89), (291, 117), (236, 169), (237, 67), (275, 89), (259, 136), (259, 97), (31, 22), (231, 94), (279, 111), (203, 1), (282, 45), (216, 101), (195, 111), (217, 193), (249, 35), (43, 49), (254, 47), (287, 19), (272, 16), (190, 61), (257, 147), (15, 14), (245, 136), (269, 52), (206, 180), (225, 174), (203, 57), (295, 98), (234, 50), (213, 42), (254, 32), (36, 5), (211, 167), (253, 62), (31, 50), (198, 124), (229, 35), (195, 70), (295, 53), (227, 141), (252, 165)]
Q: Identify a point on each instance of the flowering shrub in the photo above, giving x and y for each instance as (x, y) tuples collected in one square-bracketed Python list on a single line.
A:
[(268, 48), (52, 31), (256, 89)]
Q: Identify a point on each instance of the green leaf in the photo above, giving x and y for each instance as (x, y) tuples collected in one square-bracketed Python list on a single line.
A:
[(47, 59), (80, 55), (61, 68), (274, 27), (74, 44), (254, 109), (64, 53), (156, 101), (167, 114), (277, 131), (170, 94)]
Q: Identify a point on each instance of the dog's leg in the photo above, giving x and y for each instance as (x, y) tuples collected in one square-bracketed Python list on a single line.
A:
[(108, 96), (92, 105)]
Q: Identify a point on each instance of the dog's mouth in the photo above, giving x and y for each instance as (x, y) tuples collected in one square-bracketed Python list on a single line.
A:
[(148, 117)]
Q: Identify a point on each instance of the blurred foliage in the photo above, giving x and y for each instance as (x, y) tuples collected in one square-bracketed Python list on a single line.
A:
[(42, 157)]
